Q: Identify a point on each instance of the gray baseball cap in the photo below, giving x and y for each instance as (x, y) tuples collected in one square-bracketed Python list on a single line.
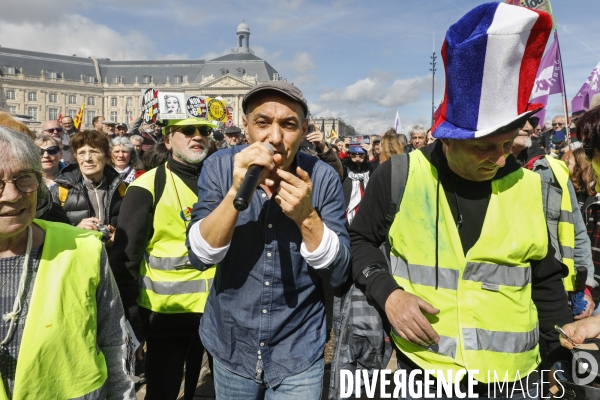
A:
[(282, 87)]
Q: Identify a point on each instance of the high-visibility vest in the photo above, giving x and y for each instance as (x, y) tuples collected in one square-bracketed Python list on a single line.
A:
[(168, 283), (487, 319), (566, 227), (58, 356)]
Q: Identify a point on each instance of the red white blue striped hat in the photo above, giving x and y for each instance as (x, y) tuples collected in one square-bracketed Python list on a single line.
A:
[(491, 57)]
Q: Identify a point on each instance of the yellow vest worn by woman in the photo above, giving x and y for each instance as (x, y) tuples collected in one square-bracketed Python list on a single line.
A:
[(58, 357), (487, 319), (168, 283)]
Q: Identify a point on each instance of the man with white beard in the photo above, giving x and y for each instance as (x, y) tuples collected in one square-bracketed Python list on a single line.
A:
[(159, 288), (557, 191)]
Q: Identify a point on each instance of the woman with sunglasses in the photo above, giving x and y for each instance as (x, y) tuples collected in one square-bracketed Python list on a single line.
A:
[(51, 154)]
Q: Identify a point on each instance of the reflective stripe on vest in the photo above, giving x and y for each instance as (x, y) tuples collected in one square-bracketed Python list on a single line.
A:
[(168, 283), (58, 356), (566, 227), (487, 319)]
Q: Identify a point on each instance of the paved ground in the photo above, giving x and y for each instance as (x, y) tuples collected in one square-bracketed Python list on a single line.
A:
[(206, 391)]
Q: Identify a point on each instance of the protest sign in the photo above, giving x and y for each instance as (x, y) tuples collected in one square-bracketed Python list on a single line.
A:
[(195, 106), (171, 105), (217, 110), (149, 105)]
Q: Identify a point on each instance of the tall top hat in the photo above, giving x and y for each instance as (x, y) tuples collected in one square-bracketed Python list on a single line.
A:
[(491, 56)]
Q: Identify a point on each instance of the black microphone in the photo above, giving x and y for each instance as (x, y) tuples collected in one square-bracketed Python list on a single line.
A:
[(249, 185)]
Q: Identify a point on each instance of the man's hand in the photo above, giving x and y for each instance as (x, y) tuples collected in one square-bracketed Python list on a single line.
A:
[(367, 148), (589, 309), (110, 240), (255, 154), (578, 331), (346, 144), (403, 310), (294, 195), (317, 138)]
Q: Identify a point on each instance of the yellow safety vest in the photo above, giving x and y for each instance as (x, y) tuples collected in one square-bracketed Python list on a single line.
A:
[(58, 357), (487, 319), (566, 227), (168, 283)]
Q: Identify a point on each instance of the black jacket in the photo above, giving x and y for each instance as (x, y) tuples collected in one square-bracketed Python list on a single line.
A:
[(369, 230), (347, 182), (77, 204)]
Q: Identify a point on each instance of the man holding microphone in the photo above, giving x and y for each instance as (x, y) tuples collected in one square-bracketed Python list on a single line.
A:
[(264, 321)]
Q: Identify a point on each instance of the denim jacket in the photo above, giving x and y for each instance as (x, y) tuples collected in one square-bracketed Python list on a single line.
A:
[(265, 316)]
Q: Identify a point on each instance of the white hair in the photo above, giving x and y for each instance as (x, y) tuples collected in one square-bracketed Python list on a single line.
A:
[(417, 128)]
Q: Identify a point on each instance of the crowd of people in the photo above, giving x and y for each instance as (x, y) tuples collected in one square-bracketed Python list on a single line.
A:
[(461, 246)]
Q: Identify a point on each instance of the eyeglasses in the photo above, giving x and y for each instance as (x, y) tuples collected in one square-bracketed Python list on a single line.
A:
[(91, 153), (356, 154), (190, 130), (558, 124), (52, 150), (589, 152), (26, 183), (51, 130)]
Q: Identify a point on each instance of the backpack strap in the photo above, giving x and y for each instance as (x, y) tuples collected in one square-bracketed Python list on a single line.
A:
[(400, 165), (160, 180), (62, 195)]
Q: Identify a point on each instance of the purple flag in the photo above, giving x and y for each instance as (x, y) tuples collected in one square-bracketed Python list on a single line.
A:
[(549, 78), (582, 100)]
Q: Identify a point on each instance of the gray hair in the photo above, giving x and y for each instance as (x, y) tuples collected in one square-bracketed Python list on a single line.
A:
[(134, 159), (23, 151), (417, 128), (137, 138), (40, 140), (403, 140)]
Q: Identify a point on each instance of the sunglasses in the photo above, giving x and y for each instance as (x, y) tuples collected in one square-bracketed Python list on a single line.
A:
[(57, 130), (589, 152), (356, 154), (52, 150), (558, 124), (190, 130)]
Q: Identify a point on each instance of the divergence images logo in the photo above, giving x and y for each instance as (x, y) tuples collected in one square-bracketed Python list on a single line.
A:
[(583, 363)]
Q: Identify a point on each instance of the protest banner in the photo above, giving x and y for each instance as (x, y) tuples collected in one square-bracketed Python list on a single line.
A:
[(195, 106), (582, 100), (170, 105), (149, 105)]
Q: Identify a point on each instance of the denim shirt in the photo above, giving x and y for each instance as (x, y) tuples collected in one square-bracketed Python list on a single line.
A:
[(265, 316)]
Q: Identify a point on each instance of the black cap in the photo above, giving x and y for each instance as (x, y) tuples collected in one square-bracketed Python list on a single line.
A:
[(233, 130), (278, 86), (218, 135), (121, 126)]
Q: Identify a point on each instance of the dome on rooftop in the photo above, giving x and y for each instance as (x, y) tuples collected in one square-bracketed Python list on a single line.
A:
[(243, 27)]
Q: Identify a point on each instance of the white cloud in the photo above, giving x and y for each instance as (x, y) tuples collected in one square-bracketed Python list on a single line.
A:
[(301, 63), (82, 37)]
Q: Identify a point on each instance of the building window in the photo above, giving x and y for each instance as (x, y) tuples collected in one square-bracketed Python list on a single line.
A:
[(72, 99), (178, 79), (32, 112), (90, 116), (115, 79), (9, 69), (91, 101), (129, 102), (53, 98), (90, 79), (113, 116), (12, 109), (241, 71), (113, 101), (51, 75), (72, 113), (128, 117), (146, 79), (53, 114), (10, 95), (224, 71), (32, 96)]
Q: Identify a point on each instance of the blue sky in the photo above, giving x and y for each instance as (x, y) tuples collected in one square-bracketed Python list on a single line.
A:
[(358, 60)]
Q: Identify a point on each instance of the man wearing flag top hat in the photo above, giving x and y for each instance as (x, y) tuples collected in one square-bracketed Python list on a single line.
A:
[(151, 264), (474, 283)]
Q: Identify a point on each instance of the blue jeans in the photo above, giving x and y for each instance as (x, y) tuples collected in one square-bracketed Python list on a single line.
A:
[(306, 385)]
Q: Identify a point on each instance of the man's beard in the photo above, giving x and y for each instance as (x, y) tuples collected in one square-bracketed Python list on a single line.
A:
[(527, 142), (191, 157)]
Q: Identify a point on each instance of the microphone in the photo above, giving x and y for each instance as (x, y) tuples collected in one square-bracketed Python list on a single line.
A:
[(249, 185)]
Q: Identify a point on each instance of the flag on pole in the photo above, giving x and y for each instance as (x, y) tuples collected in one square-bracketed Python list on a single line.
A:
[(549, 78), (542, 5), (583, 98), (397, 123), (59, 119), (79, 117), (333, 135)]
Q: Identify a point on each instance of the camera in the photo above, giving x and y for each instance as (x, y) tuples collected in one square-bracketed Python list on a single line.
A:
[(103, 229)]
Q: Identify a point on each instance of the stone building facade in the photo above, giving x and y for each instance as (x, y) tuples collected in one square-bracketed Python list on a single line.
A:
[(43, 86)]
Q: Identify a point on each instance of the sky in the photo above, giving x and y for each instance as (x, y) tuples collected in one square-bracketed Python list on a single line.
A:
[(357, 60)]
